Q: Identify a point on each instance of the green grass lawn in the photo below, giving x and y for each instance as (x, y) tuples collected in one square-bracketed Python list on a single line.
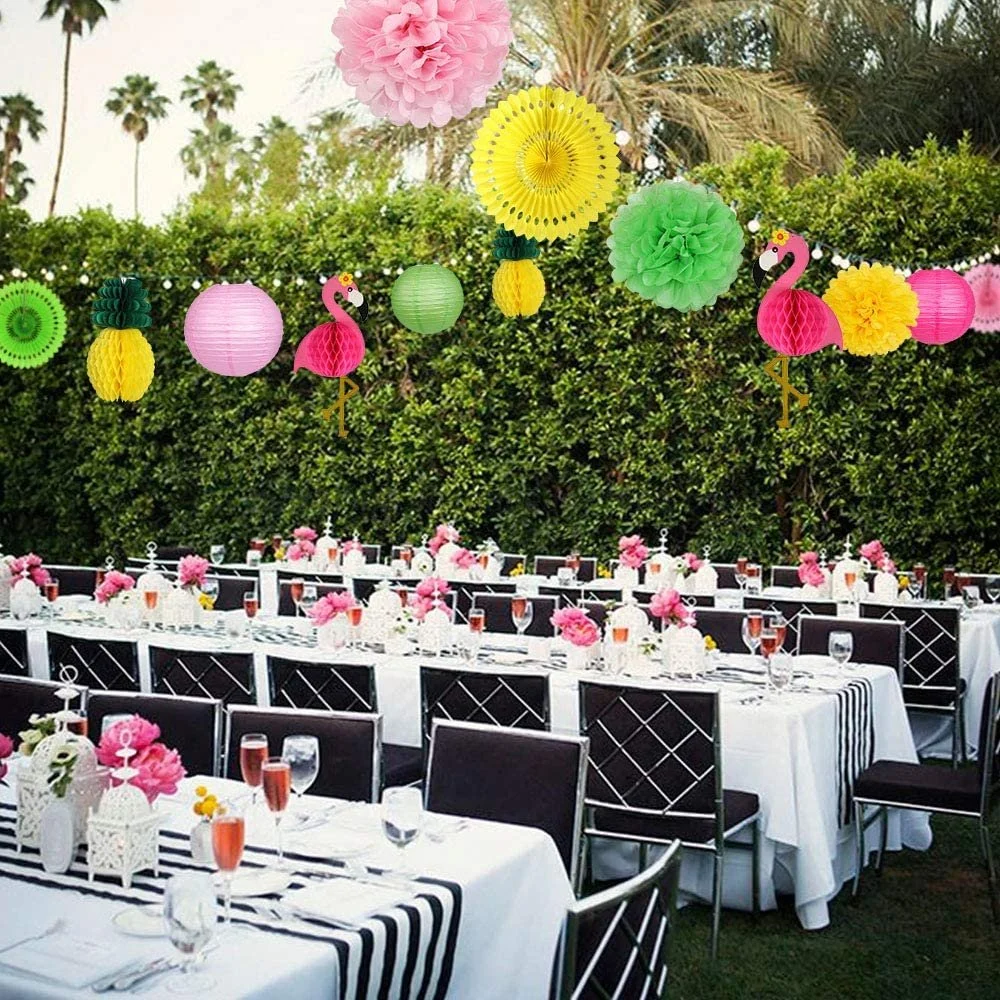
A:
[(922, 930)]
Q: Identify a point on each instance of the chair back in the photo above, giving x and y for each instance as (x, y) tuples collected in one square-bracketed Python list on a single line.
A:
[(102, 664), (614, 943), (500, 619), (931, 676), (14, 652), (726, 575), (725, 626), (331, 687), (989, 746), (21, 697), (653, 751), (466, 594), (191, 726), (75, 579), (785, 576), (644, 596), (511, 560), (977, 580), (874, 641), (362, 587), (550, 565), (598, 611), (793, 609), (203, 674), (511, 776), (350, 746), (286, 606), (515, 701), (231, 590), (574, 594)]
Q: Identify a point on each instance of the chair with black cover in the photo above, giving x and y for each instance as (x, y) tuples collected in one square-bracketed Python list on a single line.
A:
[(511, 776), (550, 566), (574, 594), (364, 586), (21, 697), (726, 575), (74, 579), (874, 641), (644, 596), (785, 576), (331, 687), (510, 561), (203, 674), (793, 610), (14, 652), (286, 606), (614, 943), (101, 664), (725, 626), (137, 565), (598, 611), (655, 776), (191, 726), (350, 746), (466, 593), (499, 617), (231, 591), (972, 792), (932, 680)]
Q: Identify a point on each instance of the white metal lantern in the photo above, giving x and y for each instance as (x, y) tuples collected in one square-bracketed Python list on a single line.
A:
[(422, 563), (324, 545), (434, 634), (5, 582), (152, 579), (25, 598), (353, 562), (706, 577), (384, 610)]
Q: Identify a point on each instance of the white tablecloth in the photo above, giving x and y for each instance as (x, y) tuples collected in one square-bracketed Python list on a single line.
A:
[(514, 896)]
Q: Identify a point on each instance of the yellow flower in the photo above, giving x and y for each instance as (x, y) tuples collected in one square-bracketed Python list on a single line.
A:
[(904, 582), (875, 307), (518, 570), (780, 236), (604, 572), (279, 554), (206, 602), (201, 791), (199, 808), (710, 643)]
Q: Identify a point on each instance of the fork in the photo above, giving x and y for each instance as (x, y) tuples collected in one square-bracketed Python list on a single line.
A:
[(55, 928)]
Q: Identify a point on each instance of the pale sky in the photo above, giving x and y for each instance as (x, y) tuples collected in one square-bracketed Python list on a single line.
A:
[(270, 44)]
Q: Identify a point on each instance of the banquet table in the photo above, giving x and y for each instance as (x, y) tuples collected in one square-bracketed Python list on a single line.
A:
[(482, 921)]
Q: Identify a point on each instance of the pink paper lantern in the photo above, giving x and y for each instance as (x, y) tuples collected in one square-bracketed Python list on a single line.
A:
[(331, 350), (233, 329), (947, 305), (984, 281)]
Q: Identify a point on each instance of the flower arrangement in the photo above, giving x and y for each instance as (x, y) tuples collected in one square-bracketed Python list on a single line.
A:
[(443, 534), (668, 606), (303, 533), (518, 570), (576, 626), (903, 582), (875, 552), (631, 551), (39, 726), (329, 606), (302, 548), (191, 572), (114, 583), (687, 564), (160, 769), (810, 572), (6, 749), (603, 573), (428, 596), (63, 760), (352, 546), (463, 559), (710, 644), (206, 805), (37, 573)]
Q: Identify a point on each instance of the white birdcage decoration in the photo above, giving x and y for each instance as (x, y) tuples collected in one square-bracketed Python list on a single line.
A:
[(34, 791), (180, 608), (153, 579), (847, 564), (383, 613), (324, 544), (422, 563), (706, 577), (661, 570), (123, 835), (25, 597), (434, 634), (632, 617), (353, 562), (684, 651)]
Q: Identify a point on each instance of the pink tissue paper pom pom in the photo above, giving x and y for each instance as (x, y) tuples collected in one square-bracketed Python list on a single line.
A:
[(143, 734), (422, 62), (304, 531), (429, 584), (191, 571), (160, 771), (329, 606), (463, 559)]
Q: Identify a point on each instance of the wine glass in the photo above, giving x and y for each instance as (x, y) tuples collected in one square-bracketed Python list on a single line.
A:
[(251, 605), (51, 592), (189, 911), (768, 643), (353, 625), (151, 597), (302, 754), (850, 581), (949, 580), (217, 553), (779, 623), (779, 670), (276, 776), (840, 647), (573, 563), (740, 573), (993, 588), (522, 612), (753, 582), (228, 839), (402, 817), (619, 647), (310, 595), (253, 753), (210, 588), (753, 625), (295, 588)]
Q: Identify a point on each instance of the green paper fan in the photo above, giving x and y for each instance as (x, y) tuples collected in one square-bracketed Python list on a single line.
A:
[(122, 304), (32, 324)]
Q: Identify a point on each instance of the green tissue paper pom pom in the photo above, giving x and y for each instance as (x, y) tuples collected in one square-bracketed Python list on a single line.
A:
[(510, 246), (677, 244), (122, 304)]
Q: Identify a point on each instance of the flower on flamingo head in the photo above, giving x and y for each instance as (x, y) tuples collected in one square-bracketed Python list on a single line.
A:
[(191, 571), (304, 532), (443, 534), (330, 605), (430, 584), (114, 583), (631, 551), (38, 575), (669, 607), (463, 559), (302, 549)]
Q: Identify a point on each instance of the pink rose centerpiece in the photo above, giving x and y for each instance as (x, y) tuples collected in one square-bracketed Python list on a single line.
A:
[(302, 548), (463, 559), (443, 534), (191, 572), (428, 595), (160, 769), (329, 606), (810, 571), (669, 607), (303, 533), (631, 551), (6, 749), (114, 583), (875, 552), (576, 627), (37, 573), (353, 546)]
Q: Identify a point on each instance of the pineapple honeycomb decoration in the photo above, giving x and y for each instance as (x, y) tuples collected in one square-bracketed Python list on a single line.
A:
[(518, 285), (120, 361)]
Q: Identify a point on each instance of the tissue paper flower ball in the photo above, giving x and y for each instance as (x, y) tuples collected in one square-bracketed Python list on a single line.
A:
[(984, 281), (875, 307), (677, 244), (332, 350), (422, 62), (120, 365)]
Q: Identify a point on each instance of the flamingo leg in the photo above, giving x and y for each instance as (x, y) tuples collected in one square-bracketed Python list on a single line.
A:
[(777, 368)]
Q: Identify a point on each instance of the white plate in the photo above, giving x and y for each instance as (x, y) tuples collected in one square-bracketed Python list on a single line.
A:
[(335, 844), (508, 656), (141, 921), (256, 882)]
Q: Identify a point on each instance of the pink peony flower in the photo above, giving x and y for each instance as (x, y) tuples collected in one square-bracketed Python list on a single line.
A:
[(809, 556), (422, 62), (632, 552), (691, 562), (669, 607), (442, 534), (887, 565), (330, 605), (583, 632), (38, 575), (873, 551), (143, 734), (429, 584), (352, 546), (160, 771), (114, 583), (420, 605), (811, 574), (6, 749), (567, 616), (191, 571), (303, 549), (463, 559), (304, 532)]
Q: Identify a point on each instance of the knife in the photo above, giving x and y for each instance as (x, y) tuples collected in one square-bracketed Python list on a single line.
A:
[(130, 979), (106, 982)]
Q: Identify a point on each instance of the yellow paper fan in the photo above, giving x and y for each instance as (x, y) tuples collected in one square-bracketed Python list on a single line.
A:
[(545, 163)]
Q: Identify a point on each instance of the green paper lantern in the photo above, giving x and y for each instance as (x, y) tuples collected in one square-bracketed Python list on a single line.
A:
[(32, 324), (427, 298), (121, 304)]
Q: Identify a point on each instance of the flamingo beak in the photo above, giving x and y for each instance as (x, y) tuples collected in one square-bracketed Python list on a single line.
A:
[(758, 273), (364, 311)]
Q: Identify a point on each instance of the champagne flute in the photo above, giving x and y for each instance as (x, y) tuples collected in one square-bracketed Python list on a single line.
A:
[(295, 588), (779, 623), (276, 776), (251, 605), (51, 593), (522, 612), (573, 562), (768, 643), (228, 839), (741, 572), (619, 647), (302, 754), (753, 578), (920, 573), (189, 911), (402, 818), (151, 597), (217, 553), (753, 625), (477, 620), (353, 625), (840, 647), (253, 753)]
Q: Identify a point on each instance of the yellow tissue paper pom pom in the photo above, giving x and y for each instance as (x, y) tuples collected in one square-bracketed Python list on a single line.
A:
[(518, 288), (875, 307), (120, 365)]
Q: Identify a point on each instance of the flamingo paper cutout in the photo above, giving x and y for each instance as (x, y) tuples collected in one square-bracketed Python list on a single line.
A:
[(791, 321), (335, 349)]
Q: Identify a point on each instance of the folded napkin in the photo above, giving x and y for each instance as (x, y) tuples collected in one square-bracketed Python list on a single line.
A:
[(345, 899), (65, 958)]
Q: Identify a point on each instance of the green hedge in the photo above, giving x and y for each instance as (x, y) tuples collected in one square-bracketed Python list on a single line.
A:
[(601, 414)]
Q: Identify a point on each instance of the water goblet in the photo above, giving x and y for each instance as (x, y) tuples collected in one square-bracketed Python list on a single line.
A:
[(189, 911), (914, 586), (210, 588), (779, 671), (753, 625), (992, 587), (840, 647), (948, 578), (302, 754), (402, 818), (522, 612), (217, 554)]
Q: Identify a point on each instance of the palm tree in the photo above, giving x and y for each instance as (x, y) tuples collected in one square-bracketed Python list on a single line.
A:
[(137, 102), (75, 14), (18, 113), (18, 183), (211, 90), (210, 150)]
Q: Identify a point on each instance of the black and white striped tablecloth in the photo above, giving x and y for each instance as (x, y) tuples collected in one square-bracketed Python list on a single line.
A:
[(855, 740), (406, 952)]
